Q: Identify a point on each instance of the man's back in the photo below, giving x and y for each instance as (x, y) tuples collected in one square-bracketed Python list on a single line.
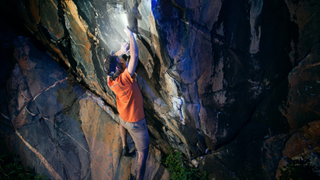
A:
[(129, 97)]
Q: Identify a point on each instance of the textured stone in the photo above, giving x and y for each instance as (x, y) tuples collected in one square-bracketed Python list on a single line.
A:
[(302, 144), (60, 130), (254, 154), (302, 105), (50, 19), (39, 119), (231, 77), (219, 171), (103, 139)]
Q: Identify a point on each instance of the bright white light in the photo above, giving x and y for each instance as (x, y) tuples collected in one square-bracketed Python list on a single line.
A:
[(120, 20), (121, 24)]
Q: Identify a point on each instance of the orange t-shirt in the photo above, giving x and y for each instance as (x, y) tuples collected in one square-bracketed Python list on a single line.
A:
[(129, 97)]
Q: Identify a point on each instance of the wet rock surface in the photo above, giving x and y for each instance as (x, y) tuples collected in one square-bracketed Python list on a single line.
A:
[(233, 79)]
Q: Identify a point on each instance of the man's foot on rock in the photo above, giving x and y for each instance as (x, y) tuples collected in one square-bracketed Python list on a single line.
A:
[(125, 151)]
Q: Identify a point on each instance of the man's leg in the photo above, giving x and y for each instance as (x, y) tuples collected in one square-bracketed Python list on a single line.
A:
[(141, 166), (123, 134)]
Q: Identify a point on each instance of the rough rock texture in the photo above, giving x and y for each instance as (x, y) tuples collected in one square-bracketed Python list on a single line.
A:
[(303, 144), (234, 78), (58, 128)]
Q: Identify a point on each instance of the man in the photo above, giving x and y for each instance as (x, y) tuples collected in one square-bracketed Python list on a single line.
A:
[(129, 101)]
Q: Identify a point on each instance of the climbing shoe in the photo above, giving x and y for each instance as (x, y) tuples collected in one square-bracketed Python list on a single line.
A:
[(125, 151)]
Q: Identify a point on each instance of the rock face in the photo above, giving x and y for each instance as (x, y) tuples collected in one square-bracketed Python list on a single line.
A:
[(58, 128), (235, 79), (303, 144)]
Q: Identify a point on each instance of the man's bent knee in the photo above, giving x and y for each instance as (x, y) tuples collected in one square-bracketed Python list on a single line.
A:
[(143, 155)]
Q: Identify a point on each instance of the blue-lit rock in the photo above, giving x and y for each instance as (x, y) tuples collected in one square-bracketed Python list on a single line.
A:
[(233, 78)]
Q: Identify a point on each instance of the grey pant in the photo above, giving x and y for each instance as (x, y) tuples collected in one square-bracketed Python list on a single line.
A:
[(139, 133)]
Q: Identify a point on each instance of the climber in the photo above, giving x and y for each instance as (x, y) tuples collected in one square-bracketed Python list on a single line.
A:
[(129, 101)]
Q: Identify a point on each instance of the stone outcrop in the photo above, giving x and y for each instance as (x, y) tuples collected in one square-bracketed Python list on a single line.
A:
[(229, 81), (303, 144), (60, 129)]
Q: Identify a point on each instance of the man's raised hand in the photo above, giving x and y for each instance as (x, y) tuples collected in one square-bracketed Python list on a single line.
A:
[(124, 48)]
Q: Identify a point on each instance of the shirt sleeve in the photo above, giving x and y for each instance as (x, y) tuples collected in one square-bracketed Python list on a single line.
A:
[(126, 76)]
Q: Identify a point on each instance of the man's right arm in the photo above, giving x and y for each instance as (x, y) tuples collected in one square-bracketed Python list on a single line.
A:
[(134, 52)]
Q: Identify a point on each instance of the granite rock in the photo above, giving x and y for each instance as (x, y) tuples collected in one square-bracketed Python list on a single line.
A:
[(214, 75)]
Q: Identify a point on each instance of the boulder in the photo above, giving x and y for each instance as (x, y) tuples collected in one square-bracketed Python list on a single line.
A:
[(302, 145)]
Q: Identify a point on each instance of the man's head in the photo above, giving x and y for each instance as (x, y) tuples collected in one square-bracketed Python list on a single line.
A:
[(113, 66)]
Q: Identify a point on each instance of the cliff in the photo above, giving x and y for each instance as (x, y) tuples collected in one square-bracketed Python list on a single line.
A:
[(231, 84)]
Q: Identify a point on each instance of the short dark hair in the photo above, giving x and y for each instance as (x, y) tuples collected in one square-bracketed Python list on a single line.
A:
[(110, 67)]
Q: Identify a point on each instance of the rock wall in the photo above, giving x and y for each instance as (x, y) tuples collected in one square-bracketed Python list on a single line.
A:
[(225, 82), (57, 127)]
